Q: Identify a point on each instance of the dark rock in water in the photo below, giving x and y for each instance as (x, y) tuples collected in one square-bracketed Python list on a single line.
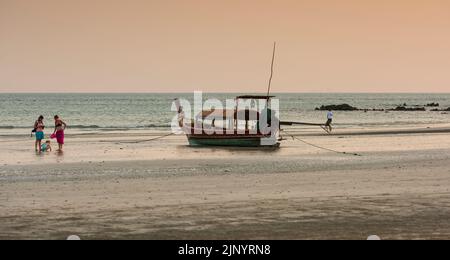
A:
[(347, 107), (403, 108), (342, 107), (399, 108), (440, 110), (374, 110)]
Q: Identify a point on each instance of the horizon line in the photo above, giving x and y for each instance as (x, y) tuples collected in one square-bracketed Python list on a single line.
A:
[(215, 92)]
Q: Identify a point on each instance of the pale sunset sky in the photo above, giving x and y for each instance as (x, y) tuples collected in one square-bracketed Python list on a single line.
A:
[(224, 45)]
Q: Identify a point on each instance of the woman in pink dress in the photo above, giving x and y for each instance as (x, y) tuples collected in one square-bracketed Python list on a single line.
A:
[(60, 126)]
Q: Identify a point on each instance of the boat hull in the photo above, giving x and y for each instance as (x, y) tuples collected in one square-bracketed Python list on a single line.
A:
[(229, 142)]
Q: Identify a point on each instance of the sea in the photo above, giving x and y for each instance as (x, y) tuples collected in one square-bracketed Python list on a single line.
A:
[(97, 113)]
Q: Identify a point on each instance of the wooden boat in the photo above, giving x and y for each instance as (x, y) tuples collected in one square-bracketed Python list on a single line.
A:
[(235, 128)]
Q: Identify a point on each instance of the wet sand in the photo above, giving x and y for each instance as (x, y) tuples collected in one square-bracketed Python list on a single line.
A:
[(398, 189)]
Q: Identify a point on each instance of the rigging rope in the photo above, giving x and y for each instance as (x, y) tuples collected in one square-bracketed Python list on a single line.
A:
[(323, 148), (293, 137), (140, 141)]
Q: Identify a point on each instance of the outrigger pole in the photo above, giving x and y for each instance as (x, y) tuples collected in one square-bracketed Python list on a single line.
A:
[(268, 95), (287, 123), (299, 123)]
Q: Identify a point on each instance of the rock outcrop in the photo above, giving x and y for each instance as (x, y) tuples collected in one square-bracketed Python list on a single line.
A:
[(341, 107), (403, 108)]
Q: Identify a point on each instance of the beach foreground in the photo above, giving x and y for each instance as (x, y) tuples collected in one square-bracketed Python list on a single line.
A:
[(398, 189)]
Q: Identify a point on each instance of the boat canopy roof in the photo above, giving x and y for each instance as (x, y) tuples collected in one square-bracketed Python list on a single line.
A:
[(221, 114), (254, 97)]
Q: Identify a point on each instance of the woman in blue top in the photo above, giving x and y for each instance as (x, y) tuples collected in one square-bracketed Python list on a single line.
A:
[(39, 127)]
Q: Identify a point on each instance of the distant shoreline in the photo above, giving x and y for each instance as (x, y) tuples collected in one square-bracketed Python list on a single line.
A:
[(234, 93)]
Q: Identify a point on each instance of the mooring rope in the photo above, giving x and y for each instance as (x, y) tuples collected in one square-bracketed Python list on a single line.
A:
[(293, 137), (323, 148), (140, 141)]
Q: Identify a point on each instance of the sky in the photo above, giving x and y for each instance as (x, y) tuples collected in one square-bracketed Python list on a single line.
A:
[(224, 45)]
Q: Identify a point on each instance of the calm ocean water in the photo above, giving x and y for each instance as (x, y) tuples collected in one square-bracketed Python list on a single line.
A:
[(106, 112)]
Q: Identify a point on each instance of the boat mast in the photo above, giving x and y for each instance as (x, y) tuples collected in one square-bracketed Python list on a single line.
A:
[(271, 70)]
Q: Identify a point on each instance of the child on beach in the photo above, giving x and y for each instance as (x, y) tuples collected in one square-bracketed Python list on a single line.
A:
[(46, 147)]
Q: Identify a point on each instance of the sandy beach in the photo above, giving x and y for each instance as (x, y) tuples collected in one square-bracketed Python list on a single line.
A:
[(112, 81), (107, 187)]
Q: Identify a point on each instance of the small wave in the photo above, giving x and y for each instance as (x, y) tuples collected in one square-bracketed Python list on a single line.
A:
[(117, 127), (7, 127), (156, 126), (84, 126)]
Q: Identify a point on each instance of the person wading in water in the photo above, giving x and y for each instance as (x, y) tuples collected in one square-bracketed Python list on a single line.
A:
[(39, 132), (329, 121), (60, 126)]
